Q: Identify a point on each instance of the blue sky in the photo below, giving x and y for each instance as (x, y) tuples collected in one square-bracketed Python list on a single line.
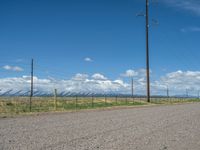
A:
[(67, 37)]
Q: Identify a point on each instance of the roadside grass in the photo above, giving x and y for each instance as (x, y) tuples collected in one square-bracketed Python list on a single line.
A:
[(20, 105), (174, 100), (47, 104)]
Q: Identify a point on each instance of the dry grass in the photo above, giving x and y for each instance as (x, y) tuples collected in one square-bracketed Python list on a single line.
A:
[(15, 105), (45, 104)]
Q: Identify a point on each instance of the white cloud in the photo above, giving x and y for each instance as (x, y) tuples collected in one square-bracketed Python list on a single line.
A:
[(13, 68), (18, 69), (181, 79), (130, 73), (7, 67), (189, 5), (80, 77), (190, 29), (139, 73), (79, 83), (88, 59), (98, 76), (177, 82)]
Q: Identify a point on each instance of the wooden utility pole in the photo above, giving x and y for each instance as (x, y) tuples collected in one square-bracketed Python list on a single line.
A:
[(147, 51), (167, 92), (31, 94), (186, 91), (55, 99), (132, 88)]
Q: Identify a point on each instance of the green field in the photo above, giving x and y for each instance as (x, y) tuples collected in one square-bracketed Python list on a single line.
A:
[(16, 105)]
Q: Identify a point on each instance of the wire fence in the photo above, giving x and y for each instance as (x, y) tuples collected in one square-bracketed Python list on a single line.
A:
[(23, 104), (15, 96)]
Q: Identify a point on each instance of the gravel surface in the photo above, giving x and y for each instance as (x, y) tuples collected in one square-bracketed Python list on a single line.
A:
[(175, 127)]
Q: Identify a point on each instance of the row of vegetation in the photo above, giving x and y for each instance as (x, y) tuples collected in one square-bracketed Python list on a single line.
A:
[(16, 105)]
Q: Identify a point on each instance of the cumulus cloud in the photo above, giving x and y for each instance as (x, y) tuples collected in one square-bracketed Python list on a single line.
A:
[(80, 77), (80, 83), (181, 79), (88, 59), (98, 76), (13, 68), (130, 73), (177, 82), (134, 73)]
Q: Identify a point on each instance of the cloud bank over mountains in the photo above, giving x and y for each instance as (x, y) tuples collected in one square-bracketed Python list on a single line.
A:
[(80, 83), (177, 82)]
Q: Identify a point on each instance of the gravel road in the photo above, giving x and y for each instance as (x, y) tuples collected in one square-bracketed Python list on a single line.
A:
[(175, 127)]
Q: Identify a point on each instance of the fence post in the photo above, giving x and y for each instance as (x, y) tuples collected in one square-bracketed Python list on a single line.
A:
[(76, 101), (15, 103), (133, 98), (116, 99), (92, 100), (126, 100), (105, 99), (55, 99)]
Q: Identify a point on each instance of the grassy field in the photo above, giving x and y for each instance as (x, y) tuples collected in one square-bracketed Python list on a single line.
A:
[(45, 104), (173, 100), (16, 105)]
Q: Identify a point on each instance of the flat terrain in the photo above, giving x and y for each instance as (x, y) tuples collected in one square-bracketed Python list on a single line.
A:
[(175, 127)]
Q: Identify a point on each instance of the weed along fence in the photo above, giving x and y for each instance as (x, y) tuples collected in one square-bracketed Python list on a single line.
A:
[(57, 102), (21, 104)]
